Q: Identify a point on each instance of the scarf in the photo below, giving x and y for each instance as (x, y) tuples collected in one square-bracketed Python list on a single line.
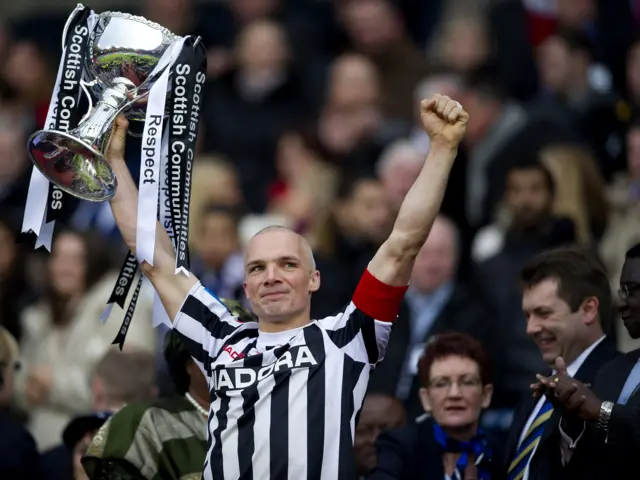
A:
[(477, 446)]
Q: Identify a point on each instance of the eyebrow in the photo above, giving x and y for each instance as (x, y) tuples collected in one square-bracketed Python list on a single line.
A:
[(286, 258)]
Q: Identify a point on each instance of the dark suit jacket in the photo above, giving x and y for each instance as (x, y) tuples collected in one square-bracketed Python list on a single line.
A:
[(19, 457), (616, 455), (412, 453), (546, 462), (463, 312)]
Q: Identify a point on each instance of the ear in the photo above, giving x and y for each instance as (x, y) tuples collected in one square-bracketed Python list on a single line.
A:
[(314, 281), (487, 394), (244, 287), (425, 400), (589, 310)]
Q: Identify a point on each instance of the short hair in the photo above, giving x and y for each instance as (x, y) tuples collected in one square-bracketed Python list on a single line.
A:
[(532, 162), (576, 41), (128, 376), (580, 275), (633, 252), (306, 247), (454, 344), (390, 153), (484, 82)]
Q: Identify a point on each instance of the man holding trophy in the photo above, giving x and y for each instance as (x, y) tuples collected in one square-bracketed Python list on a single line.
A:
[(285, 390)]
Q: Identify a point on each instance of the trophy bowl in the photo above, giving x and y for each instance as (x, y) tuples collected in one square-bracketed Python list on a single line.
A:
[(121, 66)]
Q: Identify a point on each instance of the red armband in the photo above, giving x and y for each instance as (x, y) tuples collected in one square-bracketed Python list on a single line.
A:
[(378, 300)]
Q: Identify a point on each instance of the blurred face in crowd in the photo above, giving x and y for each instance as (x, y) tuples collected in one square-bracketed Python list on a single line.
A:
[(575, 13), (366, 214), (482, 111), (633, 72), (372, 25), (528, 196), (354, 83), (554, 64), (379, 413), (455, 395), (262, 48), (437, 260), (400, 174), (7, 250), (279, 275), (247, 11), (465, 43), (633, 153), (630, 296), (12, 153), (218, 240), (554, 327), (67, 266), (26, 70)]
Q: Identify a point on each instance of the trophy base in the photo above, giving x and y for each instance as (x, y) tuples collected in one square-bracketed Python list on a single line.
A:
[(72, 165)]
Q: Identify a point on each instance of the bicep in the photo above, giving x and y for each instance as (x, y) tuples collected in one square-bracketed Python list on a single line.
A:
[(172, 288), (393, 262), (364, 327)]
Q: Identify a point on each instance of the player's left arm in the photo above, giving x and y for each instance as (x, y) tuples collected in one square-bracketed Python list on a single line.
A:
[(363, 329), (445, 121)]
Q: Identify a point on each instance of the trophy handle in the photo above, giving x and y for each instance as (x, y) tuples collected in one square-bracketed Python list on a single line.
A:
[(74, 161)]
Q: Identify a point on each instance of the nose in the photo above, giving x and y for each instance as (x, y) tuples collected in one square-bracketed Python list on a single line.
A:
[(533, 326), (454, 390), (271, 275)]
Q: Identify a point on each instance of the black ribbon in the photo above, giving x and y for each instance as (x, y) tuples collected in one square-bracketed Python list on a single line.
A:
[(187, 86), (67, 113), (125, 279), (124, 328)]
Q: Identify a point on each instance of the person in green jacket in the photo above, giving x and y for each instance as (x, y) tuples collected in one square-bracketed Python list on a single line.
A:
[(162, 439)]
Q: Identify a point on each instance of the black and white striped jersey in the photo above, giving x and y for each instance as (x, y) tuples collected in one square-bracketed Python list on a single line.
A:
[(284, 405)]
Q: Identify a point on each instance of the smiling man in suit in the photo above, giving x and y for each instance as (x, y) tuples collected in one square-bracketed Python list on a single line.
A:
[(567, 304), (605, 421)]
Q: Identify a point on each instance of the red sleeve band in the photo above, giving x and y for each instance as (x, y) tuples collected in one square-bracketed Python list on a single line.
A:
[(378, 300)]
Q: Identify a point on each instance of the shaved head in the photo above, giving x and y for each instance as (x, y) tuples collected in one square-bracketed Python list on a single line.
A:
[(304, 244)]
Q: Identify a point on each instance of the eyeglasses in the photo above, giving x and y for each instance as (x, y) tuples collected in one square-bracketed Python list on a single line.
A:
[(465, 384), (14, 365), (626, 290)]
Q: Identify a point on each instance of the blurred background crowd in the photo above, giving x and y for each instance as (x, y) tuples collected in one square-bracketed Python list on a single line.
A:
[(311, 121)]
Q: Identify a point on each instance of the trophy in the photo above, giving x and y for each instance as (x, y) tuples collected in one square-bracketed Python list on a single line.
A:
[(121, 64)]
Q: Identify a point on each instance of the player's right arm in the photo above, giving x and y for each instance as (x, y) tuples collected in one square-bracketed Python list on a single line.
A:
[(172, 289)]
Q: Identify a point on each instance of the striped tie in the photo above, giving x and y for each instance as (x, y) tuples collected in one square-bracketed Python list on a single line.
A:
[(529, 443)]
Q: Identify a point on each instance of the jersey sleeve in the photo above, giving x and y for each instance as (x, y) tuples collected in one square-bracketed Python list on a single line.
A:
[(362, 330), (204, 323)]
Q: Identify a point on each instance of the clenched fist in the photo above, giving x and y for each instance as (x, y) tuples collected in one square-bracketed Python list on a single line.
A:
[(444, 120)]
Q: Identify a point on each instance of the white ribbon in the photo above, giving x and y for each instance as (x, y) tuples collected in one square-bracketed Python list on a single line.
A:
[(35, 212), (160, 315), (151, 158)]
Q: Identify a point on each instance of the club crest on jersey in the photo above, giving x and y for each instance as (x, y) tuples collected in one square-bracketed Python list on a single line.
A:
[(242, 377)]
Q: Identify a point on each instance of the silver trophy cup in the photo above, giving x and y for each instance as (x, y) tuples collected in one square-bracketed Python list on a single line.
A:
[(120, 64)]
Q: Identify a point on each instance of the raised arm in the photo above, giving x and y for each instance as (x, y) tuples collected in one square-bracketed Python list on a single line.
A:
[(446, 122), (172, 289)]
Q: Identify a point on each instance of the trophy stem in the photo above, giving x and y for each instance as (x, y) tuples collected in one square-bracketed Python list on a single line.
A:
[(95, 129)]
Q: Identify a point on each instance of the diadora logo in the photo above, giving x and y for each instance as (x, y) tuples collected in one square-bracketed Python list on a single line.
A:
[(243, 377), (232, 353)]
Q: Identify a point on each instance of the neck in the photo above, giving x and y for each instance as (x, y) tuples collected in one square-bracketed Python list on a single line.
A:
[(571, 357), (464, 433), (276, 326)]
